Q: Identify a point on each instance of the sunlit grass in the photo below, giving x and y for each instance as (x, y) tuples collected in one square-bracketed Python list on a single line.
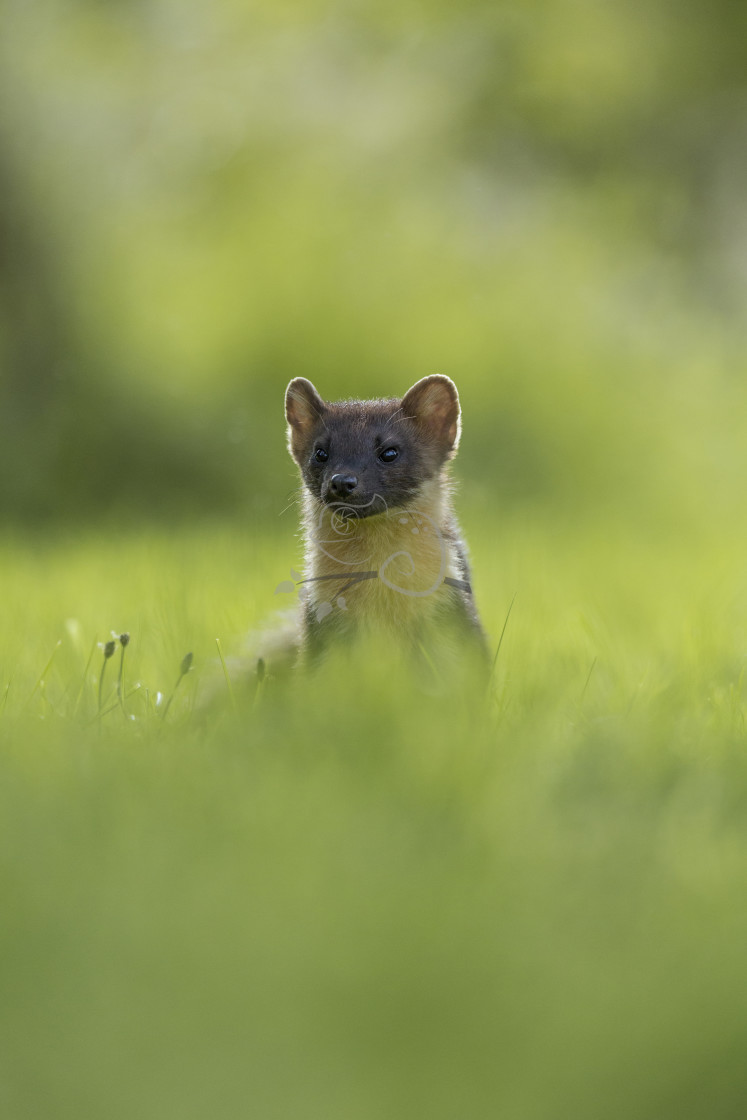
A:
[(357, 896), (368, 893)]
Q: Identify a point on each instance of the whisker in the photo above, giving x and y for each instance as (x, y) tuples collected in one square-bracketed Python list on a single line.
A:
[(297, 495)]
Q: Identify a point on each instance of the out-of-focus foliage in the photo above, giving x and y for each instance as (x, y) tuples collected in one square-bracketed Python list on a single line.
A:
[(358, 898), (352, 898), (543, 200)]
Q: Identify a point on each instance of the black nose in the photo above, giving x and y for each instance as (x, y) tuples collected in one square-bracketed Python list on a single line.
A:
[(342, 484)]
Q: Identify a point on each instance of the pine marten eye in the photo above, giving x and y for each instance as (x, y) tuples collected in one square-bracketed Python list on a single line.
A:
[(321, 455), (389, 454)]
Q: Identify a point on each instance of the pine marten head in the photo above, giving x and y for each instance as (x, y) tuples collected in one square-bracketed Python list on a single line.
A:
[(370, 456)]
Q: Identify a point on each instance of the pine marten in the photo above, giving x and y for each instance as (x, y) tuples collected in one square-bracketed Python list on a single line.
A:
[(384, 552)]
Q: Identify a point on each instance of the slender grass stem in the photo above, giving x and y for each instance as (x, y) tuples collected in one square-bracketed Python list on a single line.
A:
[(184, 669), (108, 652), (588, 678), (113, 707), (101, 683), (503, 632), (225, 673), (124, 641), (44, 672), (85, 677)]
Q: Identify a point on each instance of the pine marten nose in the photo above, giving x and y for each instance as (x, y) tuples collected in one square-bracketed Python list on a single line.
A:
[(342, 484)]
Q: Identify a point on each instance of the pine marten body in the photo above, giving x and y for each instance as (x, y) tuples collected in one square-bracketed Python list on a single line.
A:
[(384, 552)]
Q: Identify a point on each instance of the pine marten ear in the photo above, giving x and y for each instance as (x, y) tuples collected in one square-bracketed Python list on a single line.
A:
[(434, 404), (303, 410)]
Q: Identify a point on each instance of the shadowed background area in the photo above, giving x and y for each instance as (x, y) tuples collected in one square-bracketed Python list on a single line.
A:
[(544, 201)]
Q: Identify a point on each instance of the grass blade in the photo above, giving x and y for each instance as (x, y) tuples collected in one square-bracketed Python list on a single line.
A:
[(225, 673), (500, 640), (44, 672)]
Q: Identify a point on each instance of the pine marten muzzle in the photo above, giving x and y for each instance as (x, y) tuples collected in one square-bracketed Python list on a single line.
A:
[(383, 547)]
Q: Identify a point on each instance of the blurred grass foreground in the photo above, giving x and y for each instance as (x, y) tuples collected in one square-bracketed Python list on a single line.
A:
[(358, 897)]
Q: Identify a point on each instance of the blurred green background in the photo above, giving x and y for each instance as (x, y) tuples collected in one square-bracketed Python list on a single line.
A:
[(543, 200), (353, 898)]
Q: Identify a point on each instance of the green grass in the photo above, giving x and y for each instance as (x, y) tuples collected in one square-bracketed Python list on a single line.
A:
[(357, 899)]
